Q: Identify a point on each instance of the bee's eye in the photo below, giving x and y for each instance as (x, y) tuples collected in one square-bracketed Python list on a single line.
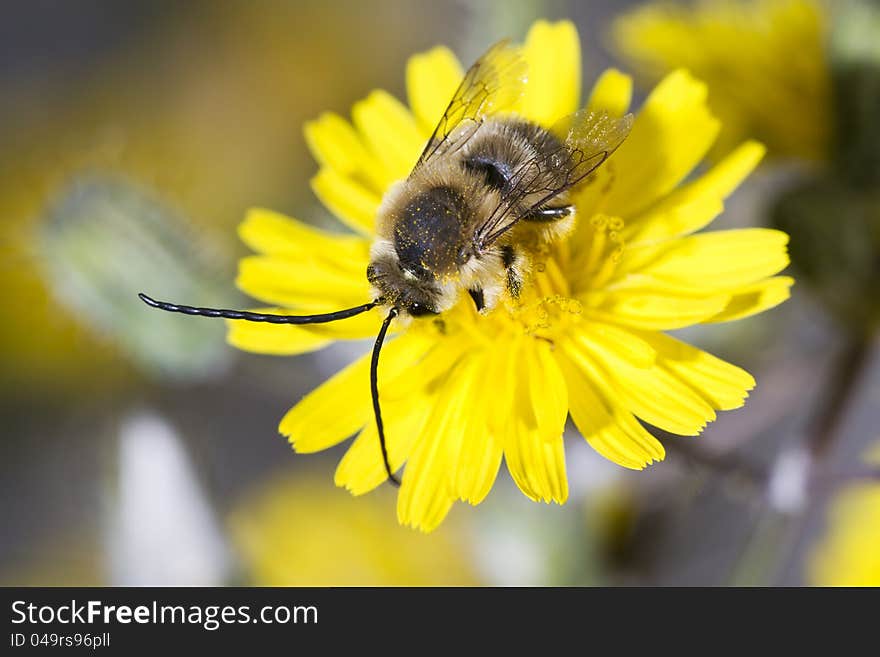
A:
[(420, 309)]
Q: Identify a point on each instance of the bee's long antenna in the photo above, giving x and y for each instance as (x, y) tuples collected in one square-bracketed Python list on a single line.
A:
[(259, 317), (374, 390)]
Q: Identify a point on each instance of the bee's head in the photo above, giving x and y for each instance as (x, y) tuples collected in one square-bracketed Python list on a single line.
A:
[(398, 287), (422, 244)]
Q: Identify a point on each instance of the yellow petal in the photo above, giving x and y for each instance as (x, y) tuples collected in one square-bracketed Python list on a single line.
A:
[(847, 555), (714, 261), (537, 465), (612, 93), (273, 339), (652, 394), (341, 406), (505, 387), (609, 429), (406, 404), (535, 460), (337, 145), (693, 206), (723, 385), (359, 327), (431, 80), (391, 132), (619, 342), (756, 298), (481, 449), (727, 175), (553, 53), (273, 233), (670, 136), (742, 49), (288, 340), (435, 364), (426, 493), (658, 308), (547, 391), (362, 468), (353, 203), (302, 284)]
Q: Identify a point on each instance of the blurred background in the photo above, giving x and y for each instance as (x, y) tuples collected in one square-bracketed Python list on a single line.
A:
[(139, 449)]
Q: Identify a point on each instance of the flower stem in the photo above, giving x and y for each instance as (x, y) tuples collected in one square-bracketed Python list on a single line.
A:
[(777, 531), (846, 372)]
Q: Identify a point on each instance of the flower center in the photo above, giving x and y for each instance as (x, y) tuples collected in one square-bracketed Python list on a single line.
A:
[(595, 253), (563, 279)]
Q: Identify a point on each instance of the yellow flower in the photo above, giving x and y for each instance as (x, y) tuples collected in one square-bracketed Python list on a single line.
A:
[(849, 555), (294, 532), (765, 62), (585, 337)]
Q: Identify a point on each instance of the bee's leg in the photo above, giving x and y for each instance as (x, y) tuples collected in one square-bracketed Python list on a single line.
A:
[(543, 215), (513, 263), (549, 224), (478, 297)]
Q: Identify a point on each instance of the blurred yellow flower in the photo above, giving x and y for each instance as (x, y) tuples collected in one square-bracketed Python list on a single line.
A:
[(849, 555), (765, 62), (294, 531), (197, 112), (585, 337)]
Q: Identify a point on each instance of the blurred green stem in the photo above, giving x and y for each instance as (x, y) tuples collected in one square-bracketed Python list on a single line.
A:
[(776, 532), (845, 373), (726, 465)]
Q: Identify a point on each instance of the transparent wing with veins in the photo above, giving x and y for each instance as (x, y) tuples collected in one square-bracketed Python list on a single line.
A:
[(587, 140), (493, 84)]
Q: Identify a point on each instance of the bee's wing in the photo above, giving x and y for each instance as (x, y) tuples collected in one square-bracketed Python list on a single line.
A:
[(587, 139), (493, 84)]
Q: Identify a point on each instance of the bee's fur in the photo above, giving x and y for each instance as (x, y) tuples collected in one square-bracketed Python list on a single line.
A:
[(486, 194), (425, 253)]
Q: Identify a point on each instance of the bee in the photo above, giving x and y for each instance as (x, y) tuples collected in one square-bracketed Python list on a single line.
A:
[(487, 186)]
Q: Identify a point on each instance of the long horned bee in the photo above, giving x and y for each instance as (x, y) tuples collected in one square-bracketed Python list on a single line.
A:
[(486, 183)]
